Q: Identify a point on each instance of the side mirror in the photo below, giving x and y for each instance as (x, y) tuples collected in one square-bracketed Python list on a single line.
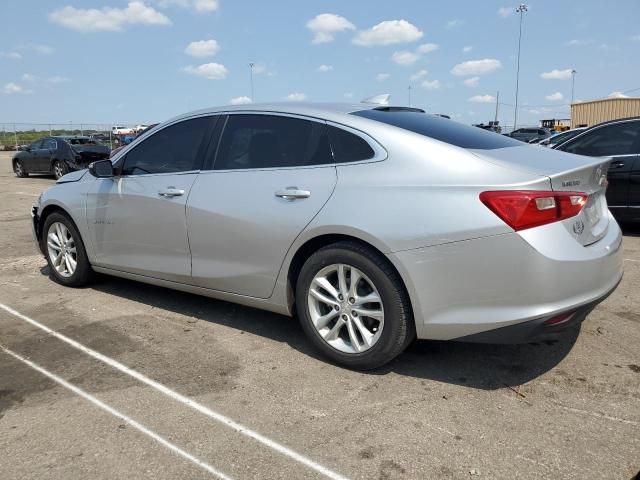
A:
[(101, 169)]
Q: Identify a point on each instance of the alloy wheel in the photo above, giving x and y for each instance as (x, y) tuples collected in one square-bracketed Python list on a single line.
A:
[(346, 308), (58, 170), (62, 249), (18, 169)]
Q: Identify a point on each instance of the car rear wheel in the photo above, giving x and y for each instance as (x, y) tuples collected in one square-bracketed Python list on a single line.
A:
[(19, 169), (65, 252), (353, 306), (59, 169)]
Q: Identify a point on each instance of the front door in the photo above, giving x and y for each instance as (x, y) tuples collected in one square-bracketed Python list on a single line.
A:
[(272, 175), (137, 219)]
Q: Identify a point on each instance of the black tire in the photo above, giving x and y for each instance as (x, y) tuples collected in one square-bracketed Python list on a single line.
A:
[(59, 169), (398, 330), (83, 273), (19, 170)]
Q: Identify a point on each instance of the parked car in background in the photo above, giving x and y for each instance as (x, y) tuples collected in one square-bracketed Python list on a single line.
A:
[(528, 134), (139, 128), (558, 138), (618, 140), (125, 143), (58, 155), (99, 137), (120, 130), (351, 215)]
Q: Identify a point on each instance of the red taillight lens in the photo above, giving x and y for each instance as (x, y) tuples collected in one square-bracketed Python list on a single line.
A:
[(521, 209)]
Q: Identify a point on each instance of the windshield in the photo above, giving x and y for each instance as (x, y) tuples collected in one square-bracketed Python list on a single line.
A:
[(442, 129)]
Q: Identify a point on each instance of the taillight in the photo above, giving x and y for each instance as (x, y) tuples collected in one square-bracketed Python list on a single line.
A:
[(521, 209)]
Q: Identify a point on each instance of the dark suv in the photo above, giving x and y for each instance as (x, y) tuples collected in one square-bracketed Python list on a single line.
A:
[(528, 134), (58, 155), (620, 140)]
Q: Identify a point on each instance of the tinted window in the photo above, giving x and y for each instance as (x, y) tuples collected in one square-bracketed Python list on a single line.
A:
[(172, 149), (617, 139), (441, 129), (36, 145), (49, 144), (348, 147), (263, 141)]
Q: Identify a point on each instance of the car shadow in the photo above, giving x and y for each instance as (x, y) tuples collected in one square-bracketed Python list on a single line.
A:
[(630, 229), (480, 366)]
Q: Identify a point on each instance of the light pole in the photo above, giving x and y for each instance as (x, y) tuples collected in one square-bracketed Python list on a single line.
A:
[(522, 8), (251, 65), (409, 90), (573, 83)]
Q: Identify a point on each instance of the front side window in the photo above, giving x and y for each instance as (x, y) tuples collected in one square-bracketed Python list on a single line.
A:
[(36, 145), (618, 139), (172, 149), (348, 147), (268, 141)]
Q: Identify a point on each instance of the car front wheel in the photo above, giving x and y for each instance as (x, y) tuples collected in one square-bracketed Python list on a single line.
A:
[(65, 251), (353, 306), (19, 169)]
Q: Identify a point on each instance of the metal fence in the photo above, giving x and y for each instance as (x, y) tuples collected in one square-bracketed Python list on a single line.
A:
[(15, 135)]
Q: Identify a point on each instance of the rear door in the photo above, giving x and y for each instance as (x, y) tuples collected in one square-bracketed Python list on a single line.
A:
[(137, 220), (620, 142), (634, 189), (272, 174), (45, 154)]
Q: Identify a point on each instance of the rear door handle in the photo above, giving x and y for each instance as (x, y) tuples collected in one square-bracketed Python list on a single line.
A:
[(171, 192), (293, 193), (617, 164)]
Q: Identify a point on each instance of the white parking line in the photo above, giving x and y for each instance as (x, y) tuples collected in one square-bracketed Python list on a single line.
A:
[(117, 414), (278, 447), (631, 260)]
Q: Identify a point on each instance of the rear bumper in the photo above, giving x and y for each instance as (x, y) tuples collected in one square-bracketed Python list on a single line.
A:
[(478, 288)]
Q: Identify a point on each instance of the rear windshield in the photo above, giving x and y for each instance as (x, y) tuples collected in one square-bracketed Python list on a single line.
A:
[(442, 129), (81, 141)]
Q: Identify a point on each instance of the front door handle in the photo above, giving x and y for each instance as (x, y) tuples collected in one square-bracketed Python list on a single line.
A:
[(292, 193), (171, 192)]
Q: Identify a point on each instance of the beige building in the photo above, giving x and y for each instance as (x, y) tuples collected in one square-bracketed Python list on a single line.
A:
[(597, 111)]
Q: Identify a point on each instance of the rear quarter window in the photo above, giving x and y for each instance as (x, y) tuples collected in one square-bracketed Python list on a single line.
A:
[(442, 129)]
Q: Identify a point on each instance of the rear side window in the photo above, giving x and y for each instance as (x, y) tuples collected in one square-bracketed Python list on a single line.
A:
[(438, 128), (268, 141), (618, 139), (348, 147), (172, 149), (49, 144)]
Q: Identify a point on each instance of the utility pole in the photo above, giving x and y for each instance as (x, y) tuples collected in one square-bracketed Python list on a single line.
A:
[(251, 65), (522, 8), (573, 83), (495, 119), (409, 90)]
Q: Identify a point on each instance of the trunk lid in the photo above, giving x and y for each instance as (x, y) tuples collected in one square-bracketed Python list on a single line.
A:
[(566, 173), (91, 152)]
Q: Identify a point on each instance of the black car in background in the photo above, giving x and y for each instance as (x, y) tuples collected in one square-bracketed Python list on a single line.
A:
[(620, 140), (528, 134), (58, 156)]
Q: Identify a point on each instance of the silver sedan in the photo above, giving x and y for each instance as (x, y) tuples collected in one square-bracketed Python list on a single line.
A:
[(374, 224)]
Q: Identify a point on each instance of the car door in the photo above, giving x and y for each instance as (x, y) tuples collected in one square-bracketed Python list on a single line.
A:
[(617, 141), (137, 219), (45, 154), (271, 175), (28, 156), (634, 189)]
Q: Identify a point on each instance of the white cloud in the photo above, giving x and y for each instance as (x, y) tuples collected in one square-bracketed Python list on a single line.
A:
[(635, 38), (427, 48), (556, 74), (504, 12), (472, 82), (41, 49), (389, 32), (454, 23), (13, 88), (617, 95), (348, 95), (555, 97), (381, 77), (577, 43), (430, 84), (324, 68), (467, 48), (27, 77), (108, 18), (326, 25), (200, 6), (243, 100), (482, 99), (476, 67), (210, 71), (11, 55), (405, 57), (418, 75), (58, 79), (296, 97), (202, 48)]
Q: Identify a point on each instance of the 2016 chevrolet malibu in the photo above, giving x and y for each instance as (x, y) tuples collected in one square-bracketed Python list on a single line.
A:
[(374, 224)]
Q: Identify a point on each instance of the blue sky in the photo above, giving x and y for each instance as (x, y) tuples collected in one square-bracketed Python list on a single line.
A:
[(145, 61)]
